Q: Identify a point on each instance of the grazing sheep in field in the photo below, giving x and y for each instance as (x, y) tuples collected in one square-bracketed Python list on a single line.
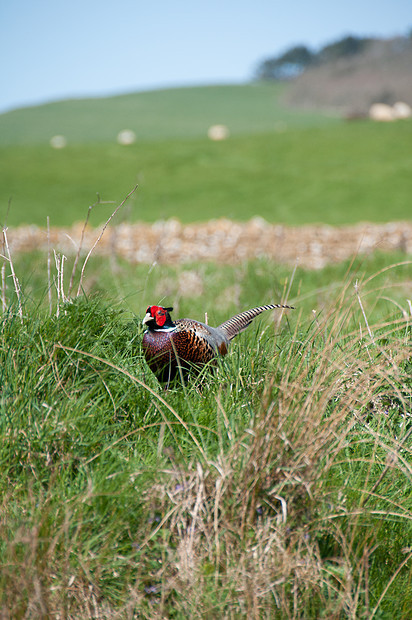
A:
[(218, 132), (126, 137), (381, 112), (58, 142), (402, 110)]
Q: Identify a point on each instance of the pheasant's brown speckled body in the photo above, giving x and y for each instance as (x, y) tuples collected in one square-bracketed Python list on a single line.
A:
[(172, 347)]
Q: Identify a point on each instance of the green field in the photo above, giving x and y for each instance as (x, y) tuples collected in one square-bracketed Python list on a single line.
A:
[(280, 487), (336, 174)]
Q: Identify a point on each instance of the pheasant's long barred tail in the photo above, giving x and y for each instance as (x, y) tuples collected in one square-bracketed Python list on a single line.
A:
[(238, 323)]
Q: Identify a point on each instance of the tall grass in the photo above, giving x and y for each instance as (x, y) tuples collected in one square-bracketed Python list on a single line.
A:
[(278, 487)]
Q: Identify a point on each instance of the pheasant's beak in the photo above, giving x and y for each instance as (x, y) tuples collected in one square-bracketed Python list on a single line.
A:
[(147, 318)]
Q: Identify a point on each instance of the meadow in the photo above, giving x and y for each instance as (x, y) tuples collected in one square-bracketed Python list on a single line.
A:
[(290, 169), (277, 486)]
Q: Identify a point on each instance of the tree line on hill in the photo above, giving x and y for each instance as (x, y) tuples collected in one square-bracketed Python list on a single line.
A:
[(295, 60), (347, 76)]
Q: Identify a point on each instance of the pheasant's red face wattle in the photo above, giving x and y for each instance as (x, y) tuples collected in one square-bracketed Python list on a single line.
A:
[(159, 314)]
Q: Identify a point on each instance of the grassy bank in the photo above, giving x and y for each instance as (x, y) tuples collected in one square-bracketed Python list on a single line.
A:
[(279, 488)]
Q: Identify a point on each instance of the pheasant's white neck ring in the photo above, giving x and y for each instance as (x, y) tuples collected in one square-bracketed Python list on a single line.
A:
[(166, 329)]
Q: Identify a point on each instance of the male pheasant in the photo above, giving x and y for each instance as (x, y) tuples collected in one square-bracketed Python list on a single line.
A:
[(172, 347)]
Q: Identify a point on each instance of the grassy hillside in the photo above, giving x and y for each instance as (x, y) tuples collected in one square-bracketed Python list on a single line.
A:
[(155, 115), (337, 174), (278, 488)]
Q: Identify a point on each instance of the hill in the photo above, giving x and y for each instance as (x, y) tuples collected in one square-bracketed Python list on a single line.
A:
[(288, 167), (156, 115)]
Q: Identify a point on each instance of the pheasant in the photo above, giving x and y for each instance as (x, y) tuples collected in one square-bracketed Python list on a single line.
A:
[(172, 347)]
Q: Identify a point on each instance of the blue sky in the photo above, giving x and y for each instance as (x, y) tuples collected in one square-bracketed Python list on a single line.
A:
[(75, 48)]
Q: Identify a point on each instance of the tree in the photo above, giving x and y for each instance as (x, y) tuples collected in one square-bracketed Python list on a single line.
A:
[(287, 66), (348, 46), (297, 59)]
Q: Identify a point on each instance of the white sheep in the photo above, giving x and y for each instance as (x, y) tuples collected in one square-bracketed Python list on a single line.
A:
[(381, 112), (58, 142), (402, 110), (218, 132), (126, 137)]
